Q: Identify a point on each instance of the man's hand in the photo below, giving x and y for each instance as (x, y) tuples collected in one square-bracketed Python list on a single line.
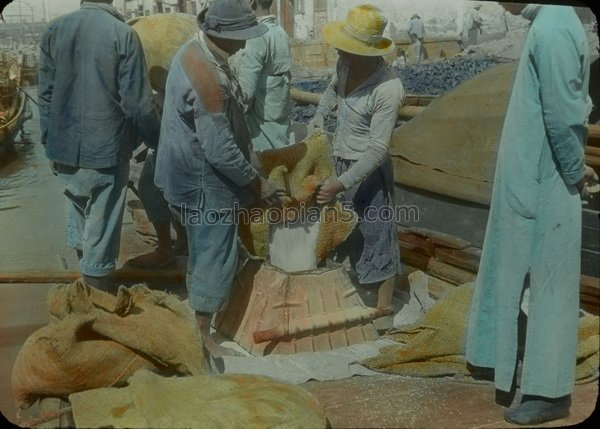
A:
[(328, 191), (317, 123), (267, 192), (590, 178)]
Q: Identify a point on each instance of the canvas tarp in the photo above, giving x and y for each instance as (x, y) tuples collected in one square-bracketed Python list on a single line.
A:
[(450, 148)]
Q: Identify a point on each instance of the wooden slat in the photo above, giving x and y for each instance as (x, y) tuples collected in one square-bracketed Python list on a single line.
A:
[(592, 150), (449, 273), (123, 275), (467, 259), (593, 161), (590, 286), (414, 259), (417, 243), (440, 238), (590, 218), (591, 308), (590, 263), (593, 135), (590, 238), (588, 299)]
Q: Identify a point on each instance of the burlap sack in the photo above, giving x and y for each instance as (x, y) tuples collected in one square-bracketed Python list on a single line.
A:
[(95, 339), (161, 36), (226, 401), (299, 169), (434, 345)]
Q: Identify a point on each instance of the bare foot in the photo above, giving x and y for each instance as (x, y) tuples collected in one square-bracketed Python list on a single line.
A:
[(217, 350), (385, 294)]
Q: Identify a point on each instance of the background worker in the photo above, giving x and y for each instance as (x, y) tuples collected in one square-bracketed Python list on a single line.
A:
[(95, 100), (367, 96), (534, 226), (164, 256), (202, 160), (264, 69), (416, 30), (475, 26)]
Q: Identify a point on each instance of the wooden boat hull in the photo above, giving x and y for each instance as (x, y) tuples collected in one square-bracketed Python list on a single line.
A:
[(18, 114)]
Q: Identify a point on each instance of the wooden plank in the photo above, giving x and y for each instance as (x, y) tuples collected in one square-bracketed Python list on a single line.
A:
[(125, 275), (593, 161), (414, 259), (592, 150), (588, 299), (591, 308), (591, 218), (589, 294), (419, 100), (440, 238), (449, 273), (590, 288), (590, 263), (590, 239), (589, 281), (593, 135), (417, 243), (467, 259)]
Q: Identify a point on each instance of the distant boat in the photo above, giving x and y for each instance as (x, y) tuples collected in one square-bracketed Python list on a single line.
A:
[(13, 103)]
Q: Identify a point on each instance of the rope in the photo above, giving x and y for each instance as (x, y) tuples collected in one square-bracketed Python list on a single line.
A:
[(43, 418)]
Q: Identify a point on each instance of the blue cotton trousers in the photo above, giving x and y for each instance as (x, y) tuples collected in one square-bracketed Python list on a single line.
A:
[(95, 205)]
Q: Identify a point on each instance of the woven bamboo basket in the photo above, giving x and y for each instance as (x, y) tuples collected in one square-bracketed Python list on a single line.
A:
[(272, 311)]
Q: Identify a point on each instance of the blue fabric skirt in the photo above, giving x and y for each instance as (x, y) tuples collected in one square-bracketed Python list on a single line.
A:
[(372, 248)]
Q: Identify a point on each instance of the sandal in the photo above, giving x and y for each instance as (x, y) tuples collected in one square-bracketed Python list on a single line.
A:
[(145, 262)]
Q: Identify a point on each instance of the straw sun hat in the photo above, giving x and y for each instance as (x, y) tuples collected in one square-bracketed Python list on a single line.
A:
[(361, 33)]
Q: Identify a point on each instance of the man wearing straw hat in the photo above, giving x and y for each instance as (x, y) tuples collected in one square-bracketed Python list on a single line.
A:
[(367, 97), (202, 161)]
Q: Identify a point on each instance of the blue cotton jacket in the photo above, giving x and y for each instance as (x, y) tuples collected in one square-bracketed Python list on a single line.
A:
[(94, 94), (265, 75), (202, 159)]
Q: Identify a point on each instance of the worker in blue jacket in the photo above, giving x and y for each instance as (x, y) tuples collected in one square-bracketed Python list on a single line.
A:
[(95, 107)]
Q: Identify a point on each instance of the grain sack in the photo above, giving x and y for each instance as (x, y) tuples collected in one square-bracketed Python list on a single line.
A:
[(225, 401), (95, 339), (161, 36)]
